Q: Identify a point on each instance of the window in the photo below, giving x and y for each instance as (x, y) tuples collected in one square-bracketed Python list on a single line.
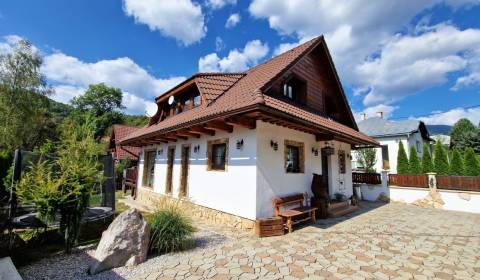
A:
[(149, 168), (385, 160), (294, 89), (217, 154), (294, 157), (197, 100)]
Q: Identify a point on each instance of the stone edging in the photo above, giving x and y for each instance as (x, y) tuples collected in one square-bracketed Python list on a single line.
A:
[(151, 198)]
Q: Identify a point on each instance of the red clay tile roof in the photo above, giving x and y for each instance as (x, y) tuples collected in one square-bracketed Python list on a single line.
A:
[(212, 85), (244, 93), (126, 152)]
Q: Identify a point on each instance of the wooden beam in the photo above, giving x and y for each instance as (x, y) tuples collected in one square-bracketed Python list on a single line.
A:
[(174, 135), (242, 121), (220, 125), (187, 134), (166, 138), (324, 137), (201, 129)]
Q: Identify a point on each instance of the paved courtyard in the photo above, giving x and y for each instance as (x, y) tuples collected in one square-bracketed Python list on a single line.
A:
[(392, 241), (380, 241)]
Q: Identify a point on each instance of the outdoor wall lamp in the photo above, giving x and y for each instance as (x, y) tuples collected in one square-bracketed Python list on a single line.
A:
[(160, 152), (196, 149), (315, 151), (239, 144), (274, 145)]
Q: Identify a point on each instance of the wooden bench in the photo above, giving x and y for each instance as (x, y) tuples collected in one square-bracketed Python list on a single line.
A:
[(294, 215)]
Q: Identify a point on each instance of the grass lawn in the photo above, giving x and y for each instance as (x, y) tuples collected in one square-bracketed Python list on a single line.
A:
[(32, 245)]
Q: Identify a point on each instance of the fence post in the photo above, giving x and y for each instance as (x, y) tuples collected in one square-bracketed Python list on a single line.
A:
[(432, 180), (385, 178)]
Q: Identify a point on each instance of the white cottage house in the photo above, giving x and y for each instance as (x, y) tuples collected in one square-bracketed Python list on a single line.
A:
[(231, 142), (389, 134)]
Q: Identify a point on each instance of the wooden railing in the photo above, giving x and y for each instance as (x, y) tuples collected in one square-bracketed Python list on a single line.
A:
[(460, 183), (131, 175), (408, 180), (366, 178)]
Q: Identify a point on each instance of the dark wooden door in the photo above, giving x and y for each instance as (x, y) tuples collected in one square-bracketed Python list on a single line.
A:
[(184, 170), (170, 158), (325, 170)]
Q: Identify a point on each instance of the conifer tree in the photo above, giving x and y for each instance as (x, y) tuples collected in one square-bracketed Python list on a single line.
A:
[(472, 167), (427, 163), (414, 165), (402, 160), (440, 159), (456, 165)]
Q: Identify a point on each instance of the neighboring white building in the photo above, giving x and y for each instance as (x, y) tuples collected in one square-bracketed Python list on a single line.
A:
[(232, 142), (389, 134)]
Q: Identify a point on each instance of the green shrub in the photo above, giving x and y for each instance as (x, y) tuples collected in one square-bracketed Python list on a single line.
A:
[(427, 163), (472, 167), (402, 160), (171, 230), (456, 166), (414, 165), (440, 160)]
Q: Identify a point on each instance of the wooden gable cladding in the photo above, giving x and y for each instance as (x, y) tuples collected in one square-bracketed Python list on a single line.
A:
[(323, 94)]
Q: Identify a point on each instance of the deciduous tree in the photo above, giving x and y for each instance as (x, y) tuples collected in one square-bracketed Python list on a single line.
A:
[(367, 158)]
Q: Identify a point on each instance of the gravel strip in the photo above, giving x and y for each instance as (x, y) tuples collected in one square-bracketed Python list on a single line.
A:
[(75, 265)]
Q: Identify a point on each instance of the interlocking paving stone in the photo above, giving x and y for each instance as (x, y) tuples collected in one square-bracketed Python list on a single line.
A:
[(381, 241)]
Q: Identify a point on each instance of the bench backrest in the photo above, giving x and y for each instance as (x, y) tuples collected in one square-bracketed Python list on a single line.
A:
[(279, 202)]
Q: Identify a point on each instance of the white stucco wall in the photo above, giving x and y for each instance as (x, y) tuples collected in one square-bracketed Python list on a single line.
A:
[(272, 180), (393, 145), (454, 200), (232, 191), (255, 174)]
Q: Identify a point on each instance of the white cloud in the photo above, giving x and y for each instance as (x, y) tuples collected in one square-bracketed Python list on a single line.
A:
[(237, 60), (357, 33), (65, 93), (232, 20), (452, 116), (219, 44), (71, 76), (180, 19), (8, 44), (122, 72), (373, 111), (218, 4), (409, 64)]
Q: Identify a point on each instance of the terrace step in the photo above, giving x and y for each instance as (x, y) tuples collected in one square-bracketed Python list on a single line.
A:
[(342, 211)]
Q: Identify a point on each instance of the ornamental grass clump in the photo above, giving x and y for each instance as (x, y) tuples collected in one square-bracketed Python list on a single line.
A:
[(171, 229)]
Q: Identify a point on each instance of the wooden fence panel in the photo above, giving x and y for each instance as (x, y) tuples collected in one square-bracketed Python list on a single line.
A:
[(407, 180), (460, 183), (366, 178)]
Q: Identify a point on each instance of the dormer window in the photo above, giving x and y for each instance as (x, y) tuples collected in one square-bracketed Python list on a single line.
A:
[(197, 100), (294, 89)]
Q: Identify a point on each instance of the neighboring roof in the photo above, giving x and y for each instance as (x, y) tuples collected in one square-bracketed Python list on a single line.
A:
[(119, 132), (229, 94), (380, 127)]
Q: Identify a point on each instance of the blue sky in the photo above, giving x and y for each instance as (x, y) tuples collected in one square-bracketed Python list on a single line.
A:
[(405, 58)]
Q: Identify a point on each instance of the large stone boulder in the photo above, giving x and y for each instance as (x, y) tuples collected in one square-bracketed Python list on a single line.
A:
[(125, 242)]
